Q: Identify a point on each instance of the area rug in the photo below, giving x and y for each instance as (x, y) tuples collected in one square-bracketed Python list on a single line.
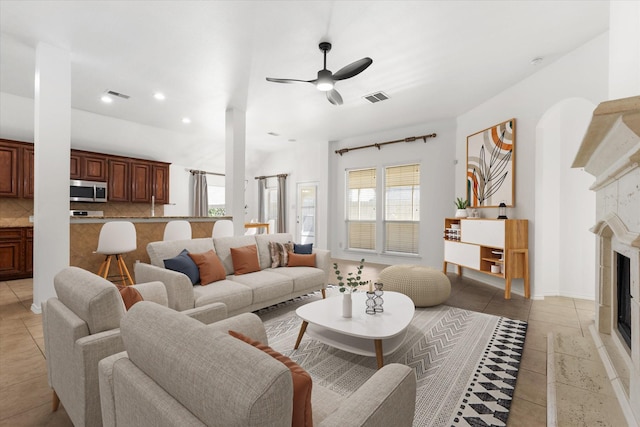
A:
[(466, 363)]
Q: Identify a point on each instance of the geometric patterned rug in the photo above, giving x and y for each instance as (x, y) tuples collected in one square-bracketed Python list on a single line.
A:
[(466, 363)]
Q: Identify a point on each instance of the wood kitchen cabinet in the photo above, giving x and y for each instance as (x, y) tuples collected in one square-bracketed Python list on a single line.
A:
[(160, 184), (88, 166), (141, 181), (118, 184), (128, 179), (16, 169), (16, 253)]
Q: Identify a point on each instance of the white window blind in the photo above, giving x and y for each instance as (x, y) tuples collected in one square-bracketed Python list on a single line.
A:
[(361, 208), (402, 208)]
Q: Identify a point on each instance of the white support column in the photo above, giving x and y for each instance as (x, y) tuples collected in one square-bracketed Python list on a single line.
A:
[(235, 141), (52, 135)]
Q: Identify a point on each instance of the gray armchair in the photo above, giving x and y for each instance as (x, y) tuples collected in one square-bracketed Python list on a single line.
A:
[(81, 327), (222, 381)]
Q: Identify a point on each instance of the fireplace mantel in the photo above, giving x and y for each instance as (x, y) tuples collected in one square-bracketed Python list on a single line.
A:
[(610, 151)]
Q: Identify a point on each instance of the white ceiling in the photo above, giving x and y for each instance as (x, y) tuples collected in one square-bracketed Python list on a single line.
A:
[(435, 59)]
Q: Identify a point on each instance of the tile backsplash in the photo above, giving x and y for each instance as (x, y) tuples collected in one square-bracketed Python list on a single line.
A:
[(16, 212)]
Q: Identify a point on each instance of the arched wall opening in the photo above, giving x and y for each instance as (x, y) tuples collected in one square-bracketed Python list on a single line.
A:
[(564, 205)]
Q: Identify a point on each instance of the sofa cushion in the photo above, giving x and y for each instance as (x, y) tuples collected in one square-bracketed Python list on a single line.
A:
[(266, 285), (236, 296), (93, 299), (183, 263), (159, 251), (280, 253), (223, 247), (303, 249), (209, 265), (262, 241), (245, 259), (304, 278), (298, 260), (302, 384)]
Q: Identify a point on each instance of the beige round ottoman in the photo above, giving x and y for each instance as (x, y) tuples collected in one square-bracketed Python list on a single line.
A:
[(425, 286)]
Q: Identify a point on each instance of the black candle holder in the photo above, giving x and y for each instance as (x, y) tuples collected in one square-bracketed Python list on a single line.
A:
[(378, 300)]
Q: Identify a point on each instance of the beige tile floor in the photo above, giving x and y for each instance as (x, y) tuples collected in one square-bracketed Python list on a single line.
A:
[(25, 397)]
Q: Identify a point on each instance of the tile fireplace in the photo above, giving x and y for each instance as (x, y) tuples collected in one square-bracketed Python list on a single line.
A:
[(610, 152)]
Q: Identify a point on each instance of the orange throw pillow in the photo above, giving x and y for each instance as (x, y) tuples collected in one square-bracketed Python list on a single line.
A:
[(129, 295), (245, 259), (301, 383), (297, 260), (210, 267)]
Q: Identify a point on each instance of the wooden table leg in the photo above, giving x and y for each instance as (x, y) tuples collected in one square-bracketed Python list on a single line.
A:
[(301, 333), (379, 357)]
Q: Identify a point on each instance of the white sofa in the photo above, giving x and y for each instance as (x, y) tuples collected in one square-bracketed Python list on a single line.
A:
[(241, 293)]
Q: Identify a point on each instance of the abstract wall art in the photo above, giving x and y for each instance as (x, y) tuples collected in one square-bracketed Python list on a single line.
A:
[(490, 166)]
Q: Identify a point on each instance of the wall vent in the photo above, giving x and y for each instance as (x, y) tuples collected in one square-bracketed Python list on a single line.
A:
[(119, 95), (376, 97)]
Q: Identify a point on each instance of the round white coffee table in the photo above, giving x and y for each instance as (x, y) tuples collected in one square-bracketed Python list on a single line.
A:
[(365, 334)]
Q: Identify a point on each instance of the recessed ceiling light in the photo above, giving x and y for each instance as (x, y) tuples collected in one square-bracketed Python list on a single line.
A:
[(186, 120), (273, 134), (536, 61), (106, 99), (292, 140), (159, 96)]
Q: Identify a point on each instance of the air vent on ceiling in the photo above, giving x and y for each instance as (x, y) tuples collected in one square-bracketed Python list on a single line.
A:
[(119, 95), (376, 97), (273, 134)]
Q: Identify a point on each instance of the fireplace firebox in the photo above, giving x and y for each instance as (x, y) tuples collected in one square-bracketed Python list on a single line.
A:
[(623, 271)]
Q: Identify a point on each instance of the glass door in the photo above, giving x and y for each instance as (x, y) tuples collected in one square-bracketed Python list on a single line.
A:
[(306, 212)]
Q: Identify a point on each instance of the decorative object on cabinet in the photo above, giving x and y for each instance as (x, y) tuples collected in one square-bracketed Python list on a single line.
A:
[(498, 247), (461, 207), (490, 165), (502, 211)]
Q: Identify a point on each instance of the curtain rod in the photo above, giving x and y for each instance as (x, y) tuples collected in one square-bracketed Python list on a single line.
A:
[(208, 173), (380, 144), (283, 175)]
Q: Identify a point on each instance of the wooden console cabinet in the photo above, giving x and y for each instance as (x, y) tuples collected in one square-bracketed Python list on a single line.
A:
[(501, 245), (16, 253)]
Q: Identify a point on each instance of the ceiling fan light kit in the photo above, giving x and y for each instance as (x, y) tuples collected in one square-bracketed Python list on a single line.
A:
[(326, 79)]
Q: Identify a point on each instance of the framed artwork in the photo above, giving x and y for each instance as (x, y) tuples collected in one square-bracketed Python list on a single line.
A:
[(491, 167)]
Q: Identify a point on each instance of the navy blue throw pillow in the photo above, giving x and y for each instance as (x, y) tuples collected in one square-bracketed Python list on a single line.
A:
[(303, 249), (184, 264)]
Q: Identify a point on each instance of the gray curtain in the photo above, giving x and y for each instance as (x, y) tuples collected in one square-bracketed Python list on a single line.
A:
[(262, 185), (281, 224), (200, 194)]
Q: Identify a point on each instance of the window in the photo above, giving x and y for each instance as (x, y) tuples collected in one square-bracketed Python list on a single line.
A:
[(402, 208), (361, 209), (216, 200)]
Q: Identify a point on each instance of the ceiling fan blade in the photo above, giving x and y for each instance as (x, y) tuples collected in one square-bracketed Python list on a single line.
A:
[(271, 79), (334, 97), (352, 69)]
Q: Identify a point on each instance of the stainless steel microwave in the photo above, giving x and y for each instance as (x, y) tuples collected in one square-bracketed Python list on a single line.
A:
[(88, 191)]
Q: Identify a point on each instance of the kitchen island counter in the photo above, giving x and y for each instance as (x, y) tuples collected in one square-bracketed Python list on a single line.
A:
[(84, 233)]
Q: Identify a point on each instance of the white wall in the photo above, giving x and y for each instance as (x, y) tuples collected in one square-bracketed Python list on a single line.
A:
[(436, 158), (564, 205), (581, 73), (624, 49), (179, 192), (304, 161)]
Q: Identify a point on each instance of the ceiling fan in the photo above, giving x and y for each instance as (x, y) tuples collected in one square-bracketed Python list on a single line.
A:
[(326, 79)]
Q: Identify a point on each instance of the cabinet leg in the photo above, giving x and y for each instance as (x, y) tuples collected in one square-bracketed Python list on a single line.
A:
[(459, 271), (507, 288), (444, 267)]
